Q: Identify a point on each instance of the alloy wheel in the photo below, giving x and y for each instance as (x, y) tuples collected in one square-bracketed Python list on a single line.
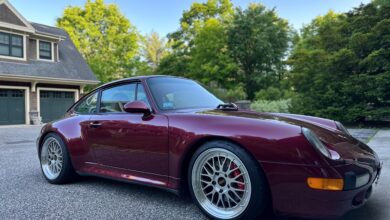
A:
[(221, 183), (51, 158)]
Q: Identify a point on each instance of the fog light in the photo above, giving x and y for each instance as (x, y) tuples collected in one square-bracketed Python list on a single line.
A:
[(325, 183), (362, 180)]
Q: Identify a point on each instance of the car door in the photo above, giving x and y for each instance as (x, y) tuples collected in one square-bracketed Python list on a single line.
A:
[(128, 140)]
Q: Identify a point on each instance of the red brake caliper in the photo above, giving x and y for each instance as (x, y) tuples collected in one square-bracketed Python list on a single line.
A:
[(236, 173)]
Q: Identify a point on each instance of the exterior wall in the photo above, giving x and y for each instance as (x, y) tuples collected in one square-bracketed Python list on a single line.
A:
[(6, 15), (58, 86), (9, 83), (32, 49), (33, 101)]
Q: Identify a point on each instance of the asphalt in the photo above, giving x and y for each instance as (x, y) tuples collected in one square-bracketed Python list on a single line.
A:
[(24, 193)]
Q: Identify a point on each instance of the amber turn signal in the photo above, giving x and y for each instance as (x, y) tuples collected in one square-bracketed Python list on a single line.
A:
[(325, 184)]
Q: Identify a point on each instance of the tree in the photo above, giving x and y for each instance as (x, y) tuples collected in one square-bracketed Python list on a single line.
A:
[(258, 41), (195, 17), (210, 57), (199, 47), (154, 49), (340, 66), (104, 36)]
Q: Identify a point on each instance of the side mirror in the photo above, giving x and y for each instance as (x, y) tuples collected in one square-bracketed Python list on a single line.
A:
[(137, 107)]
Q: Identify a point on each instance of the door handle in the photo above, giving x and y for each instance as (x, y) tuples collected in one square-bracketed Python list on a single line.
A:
[(95, 124)]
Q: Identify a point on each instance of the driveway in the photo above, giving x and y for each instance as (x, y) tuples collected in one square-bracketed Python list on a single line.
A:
[(24, 193)]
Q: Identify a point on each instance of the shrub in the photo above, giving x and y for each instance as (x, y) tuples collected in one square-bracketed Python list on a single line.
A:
[(271, 93), (281, 105), (228, 95)]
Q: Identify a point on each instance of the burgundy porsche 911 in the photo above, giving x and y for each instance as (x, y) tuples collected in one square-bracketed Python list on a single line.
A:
[(171, 133)]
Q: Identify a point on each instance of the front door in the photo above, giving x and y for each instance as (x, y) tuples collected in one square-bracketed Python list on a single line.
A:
[(127, 140)]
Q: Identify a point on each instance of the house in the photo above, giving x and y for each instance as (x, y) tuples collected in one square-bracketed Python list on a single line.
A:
[(41, 71)]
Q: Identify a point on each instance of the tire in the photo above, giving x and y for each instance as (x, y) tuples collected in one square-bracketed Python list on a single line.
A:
[(225, 182), (54, 158)]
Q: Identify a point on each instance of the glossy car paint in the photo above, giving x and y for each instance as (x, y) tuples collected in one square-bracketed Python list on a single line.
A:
[(156, 150)]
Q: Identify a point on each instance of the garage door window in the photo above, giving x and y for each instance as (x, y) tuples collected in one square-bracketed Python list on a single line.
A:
[(17, 93), (3, 93)]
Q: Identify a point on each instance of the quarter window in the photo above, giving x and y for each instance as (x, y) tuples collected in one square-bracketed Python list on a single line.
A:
[(11, 45), (88, 105), (141, 95), (114, 99), (45, 50)]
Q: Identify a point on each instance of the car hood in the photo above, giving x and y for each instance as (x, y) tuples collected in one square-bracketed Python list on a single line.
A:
[(345, 145)]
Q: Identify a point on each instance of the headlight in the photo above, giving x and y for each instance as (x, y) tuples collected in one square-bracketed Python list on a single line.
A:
[(316, 142), (342, 128)]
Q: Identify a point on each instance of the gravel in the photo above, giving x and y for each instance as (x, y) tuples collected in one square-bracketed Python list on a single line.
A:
[(25, 194)]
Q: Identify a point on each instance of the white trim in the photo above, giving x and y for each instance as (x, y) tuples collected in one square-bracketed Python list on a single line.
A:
[(15, 27), (28, 27), (13, 32), (51, 36), (76, 95), (82, 89), (58, 52), (24, 58), (48, 79), (34, 86), (25, 47), (52, 51), (26, 98)]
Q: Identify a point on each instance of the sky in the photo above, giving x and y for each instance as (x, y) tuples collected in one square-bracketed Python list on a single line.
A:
[(163, 16)]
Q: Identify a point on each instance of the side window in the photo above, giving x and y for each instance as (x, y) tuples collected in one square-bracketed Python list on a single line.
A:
[(113, 99), (141, 94), (87, 106)]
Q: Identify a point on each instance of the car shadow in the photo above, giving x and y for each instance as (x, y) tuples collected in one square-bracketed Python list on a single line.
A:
[(369, 211)]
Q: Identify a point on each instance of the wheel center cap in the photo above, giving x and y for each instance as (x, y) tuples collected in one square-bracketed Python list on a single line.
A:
[(221, 181)]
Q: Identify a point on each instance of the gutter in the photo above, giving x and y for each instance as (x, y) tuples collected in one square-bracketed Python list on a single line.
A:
[(48, 79)]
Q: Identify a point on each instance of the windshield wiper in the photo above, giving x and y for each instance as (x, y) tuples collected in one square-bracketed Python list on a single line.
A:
[(228, 107)]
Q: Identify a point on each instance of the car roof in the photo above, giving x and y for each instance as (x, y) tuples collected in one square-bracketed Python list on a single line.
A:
[(136, 78)]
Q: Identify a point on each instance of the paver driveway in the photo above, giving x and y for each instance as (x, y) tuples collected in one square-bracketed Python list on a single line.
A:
[(24, 194)]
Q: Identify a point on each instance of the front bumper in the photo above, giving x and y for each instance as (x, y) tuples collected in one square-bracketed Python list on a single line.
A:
[(292, 197)]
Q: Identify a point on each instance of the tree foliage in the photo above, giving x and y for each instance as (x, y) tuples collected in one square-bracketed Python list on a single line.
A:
[(199, 46), (222, 46), (104, 36), (336, 67), (258, 40), (340, 66), (154, 49)]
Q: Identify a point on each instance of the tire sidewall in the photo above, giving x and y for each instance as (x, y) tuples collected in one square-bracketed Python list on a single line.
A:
[(67, 168), (258, 204)]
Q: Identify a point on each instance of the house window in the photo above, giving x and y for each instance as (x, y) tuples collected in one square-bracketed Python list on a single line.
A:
[(11, 45), (45, 50)]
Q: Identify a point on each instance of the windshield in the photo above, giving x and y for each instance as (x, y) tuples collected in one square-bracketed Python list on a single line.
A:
[(176, 93)]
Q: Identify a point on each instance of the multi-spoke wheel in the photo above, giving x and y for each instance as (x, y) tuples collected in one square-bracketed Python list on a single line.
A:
[(55, 163), (51, 158), (222, 179)]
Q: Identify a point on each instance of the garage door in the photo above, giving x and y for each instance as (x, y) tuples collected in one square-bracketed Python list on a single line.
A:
[(12, 106), (53, 104)]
